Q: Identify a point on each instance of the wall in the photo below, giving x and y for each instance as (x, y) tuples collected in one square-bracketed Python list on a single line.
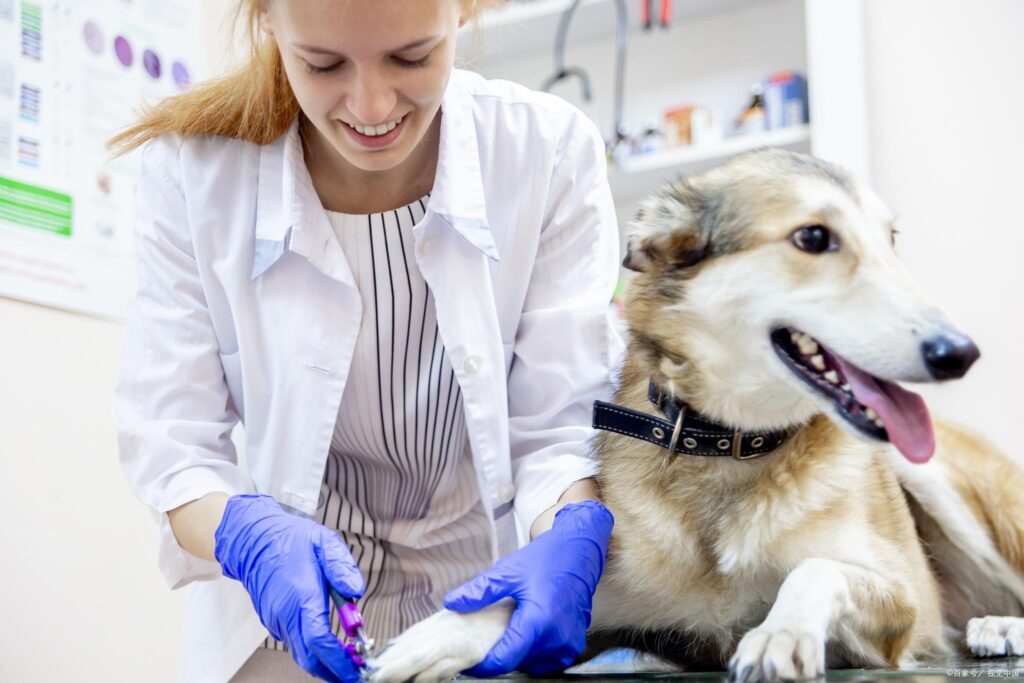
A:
[(945, 107), (81, 596)]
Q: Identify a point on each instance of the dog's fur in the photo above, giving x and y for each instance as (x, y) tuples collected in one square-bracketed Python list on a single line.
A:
[(833, 549)]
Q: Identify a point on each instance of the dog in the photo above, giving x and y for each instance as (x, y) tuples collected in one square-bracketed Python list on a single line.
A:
[(781, 504)]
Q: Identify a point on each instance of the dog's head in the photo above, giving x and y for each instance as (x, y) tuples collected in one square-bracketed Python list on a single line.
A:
[(768, 290)]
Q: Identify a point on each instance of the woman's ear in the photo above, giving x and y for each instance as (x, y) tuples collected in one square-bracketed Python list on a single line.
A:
[(473, 8), (265, 24)]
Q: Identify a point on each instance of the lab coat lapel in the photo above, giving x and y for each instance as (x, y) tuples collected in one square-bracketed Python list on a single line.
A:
[(459, 276), (290, 215)]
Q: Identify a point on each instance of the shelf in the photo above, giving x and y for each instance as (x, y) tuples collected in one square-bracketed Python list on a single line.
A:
[(518, 29), (642, 173), (517, 12)]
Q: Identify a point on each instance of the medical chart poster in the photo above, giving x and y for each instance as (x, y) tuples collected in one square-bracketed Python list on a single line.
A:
[(72, 73)]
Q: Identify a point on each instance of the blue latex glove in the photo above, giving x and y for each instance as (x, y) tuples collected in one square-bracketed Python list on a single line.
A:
[(552, 579), (284, 562)]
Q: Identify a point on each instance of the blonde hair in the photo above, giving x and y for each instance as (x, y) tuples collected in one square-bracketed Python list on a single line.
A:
[(254, 102)]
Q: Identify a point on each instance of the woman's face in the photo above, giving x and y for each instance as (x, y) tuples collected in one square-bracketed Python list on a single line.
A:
[(368, 74)]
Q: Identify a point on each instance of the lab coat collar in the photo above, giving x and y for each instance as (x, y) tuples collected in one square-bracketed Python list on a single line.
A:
[(458, 194), (289, 214)]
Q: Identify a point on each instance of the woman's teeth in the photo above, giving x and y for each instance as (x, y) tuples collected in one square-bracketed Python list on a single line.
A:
[(374, 131)]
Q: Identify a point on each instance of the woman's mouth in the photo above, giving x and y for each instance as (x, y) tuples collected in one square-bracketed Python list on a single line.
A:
[(376, 137)]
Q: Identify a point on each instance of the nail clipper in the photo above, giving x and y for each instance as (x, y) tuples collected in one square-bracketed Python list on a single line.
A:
[(358, 646)]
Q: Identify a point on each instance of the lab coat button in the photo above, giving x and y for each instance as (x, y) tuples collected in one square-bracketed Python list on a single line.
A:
[(506, 493), (427, 245), (472, 365)]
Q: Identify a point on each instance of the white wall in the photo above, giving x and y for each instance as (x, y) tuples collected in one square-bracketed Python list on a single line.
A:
[(80, 592), (947, 148), (81, 598)]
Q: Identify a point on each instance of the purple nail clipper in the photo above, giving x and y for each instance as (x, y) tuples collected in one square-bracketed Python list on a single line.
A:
[(358, 646)]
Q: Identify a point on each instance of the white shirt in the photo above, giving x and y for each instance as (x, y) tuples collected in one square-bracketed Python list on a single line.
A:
[(400, 484), (246, 309)]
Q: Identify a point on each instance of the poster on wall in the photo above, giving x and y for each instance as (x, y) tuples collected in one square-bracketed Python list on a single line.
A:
[(72, 73)]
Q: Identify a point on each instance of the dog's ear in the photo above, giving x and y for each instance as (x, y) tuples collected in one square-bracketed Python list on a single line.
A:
[(666, 233), (636, 258)]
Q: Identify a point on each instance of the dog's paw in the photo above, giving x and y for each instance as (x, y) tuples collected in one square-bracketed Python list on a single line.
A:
[(777, 654), (996, 636), (441, 646)]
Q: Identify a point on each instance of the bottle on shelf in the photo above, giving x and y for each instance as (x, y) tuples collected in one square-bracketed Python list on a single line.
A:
[(752, 118)]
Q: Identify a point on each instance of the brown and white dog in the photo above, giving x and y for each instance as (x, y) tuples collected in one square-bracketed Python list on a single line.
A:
[(769, 298)]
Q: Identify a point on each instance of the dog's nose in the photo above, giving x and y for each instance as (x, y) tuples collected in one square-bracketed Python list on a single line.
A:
[(950, 355)]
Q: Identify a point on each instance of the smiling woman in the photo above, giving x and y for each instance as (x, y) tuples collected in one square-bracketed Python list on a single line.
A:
[(362, 254)]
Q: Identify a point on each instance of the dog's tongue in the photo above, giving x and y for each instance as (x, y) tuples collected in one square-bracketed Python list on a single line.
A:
[(904, 413)]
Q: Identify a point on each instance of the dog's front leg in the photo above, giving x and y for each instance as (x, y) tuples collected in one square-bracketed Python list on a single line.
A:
[(821, 600), (441, 645)]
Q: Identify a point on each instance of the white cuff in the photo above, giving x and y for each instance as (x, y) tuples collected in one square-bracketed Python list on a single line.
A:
[(540, 485), (178, 566)]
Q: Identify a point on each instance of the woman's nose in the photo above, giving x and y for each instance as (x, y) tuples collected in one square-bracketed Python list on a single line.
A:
[(372, 99)]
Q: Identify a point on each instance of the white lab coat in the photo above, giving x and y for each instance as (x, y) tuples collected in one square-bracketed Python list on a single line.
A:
[(246, 309)]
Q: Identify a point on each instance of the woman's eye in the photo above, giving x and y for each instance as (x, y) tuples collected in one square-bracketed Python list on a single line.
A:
[(411, 63), (313, 69), (814, 239)]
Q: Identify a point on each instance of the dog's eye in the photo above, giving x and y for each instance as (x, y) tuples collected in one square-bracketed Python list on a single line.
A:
[(814, 239)]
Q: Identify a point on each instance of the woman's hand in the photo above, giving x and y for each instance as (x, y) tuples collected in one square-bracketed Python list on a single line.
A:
[(552, 580), (284, 562)]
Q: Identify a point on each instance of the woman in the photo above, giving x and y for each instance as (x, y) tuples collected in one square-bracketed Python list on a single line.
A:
[(396, 275)]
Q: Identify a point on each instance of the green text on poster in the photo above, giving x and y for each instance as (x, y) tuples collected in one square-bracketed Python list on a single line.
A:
[(35, 207)]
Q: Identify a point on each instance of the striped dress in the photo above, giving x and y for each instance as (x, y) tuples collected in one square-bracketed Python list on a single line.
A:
[(399, 484)]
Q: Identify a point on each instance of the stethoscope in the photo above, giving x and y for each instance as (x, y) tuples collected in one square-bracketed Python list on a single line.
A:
[(563, 72)]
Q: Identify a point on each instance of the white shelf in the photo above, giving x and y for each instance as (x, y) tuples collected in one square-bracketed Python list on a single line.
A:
[(516, 29), (643, 173), (517, 12)]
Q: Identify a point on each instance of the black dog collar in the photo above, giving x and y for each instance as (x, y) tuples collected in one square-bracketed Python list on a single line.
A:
[(684, 430)]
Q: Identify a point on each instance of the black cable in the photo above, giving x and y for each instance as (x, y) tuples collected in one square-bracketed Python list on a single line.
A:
[(621, 44), (561, 72)]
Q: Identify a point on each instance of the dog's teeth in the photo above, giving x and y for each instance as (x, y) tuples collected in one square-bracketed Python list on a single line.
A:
[(818, 362), (832, 376), (871, 414), (878, 423), (846, 387), (808, 346)]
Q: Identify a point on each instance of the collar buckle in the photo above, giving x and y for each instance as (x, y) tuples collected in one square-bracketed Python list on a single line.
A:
[(678, 429), (737, 449)]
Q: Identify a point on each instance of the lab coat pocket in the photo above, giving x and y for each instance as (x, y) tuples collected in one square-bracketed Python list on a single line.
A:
[(233, 375)]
